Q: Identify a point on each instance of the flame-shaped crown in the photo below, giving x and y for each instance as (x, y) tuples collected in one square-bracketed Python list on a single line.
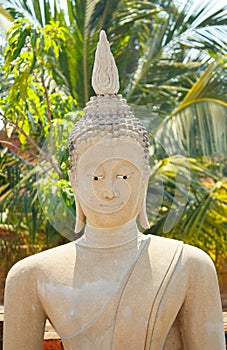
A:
[(106, 116), (105, 78)]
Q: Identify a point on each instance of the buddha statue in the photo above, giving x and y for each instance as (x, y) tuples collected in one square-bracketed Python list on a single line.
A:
[(113, 288)]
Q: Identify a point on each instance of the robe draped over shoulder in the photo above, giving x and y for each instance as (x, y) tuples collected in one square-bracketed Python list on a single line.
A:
[(140, 321)]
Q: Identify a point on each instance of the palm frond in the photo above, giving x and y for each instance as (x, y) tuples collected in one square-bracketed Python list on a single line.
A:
[(172, 41), (198, 126), (188, 201), (21, 8), (198, 130)]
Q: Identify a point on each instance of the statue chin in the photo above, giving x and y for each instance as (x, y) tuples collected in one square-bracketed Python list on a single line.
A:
[(113, 288)]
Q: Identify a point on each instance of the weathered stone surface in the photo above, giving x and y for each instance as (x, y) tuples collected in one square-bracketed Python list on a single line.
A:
[(105, 78), (53, 342)]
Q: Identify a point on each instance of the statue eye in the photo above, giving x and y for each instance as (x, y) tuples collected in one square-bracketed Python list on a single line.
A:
[(96, 177), (124, 177)]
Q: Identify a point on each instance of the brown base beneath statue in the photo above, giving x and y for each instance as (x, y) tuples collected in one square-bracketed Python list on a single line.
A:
[(53, 342)]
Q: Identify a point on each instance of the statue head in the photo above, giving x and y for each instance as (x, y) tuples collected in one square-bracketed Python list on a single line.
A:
[(109, 153)]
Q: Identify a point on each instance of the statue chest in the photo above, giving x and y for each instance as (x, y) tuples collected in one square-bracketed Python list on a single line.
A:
[(112, 301), (90, 295)]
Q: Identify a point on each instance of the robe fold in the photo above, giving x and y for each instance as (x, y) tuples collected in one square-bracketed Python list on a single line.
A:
[(139, 320)]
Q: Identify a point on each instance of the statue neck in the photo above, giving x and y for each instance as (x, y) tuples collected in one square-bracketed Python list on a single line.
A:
[(127, 234)]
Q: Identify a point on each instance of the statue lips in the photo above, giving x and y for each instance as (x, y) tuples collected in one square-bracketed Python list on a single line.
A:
[(112, 207), (118, 205)]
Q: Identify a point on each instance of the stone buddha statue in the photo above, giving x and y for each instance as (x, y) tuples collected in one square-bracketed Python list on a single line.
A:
[(113, 288)]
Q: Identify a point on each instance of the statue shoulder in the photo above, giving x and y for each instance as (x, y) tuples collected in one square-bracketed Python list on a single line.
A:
[(198, 261), (191, 254), (164, 243), (191, 258), (46, 260)]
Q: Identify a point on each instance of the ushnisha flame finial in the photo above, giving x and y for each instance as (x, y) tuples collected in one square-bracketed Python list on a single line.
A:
[(107, 115), (105, 78)]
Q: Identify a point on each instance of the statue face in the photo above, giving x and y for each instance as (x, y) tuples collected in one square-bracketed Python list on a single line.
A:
[(110, 182)]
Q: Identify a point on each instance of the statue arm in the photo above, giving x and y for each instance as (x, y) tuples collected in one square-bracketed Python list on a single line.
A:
[(201, 314), (24, 318)]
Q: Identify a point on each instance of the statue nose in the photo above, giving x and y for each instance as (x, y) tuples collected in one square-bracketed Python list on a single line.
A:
[(110, 194), (108, 189)]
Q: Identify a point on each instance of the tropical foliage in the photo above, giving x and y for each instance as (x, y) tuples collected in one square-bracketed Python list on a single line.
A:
[(172, 62), (188, 201), (33, 110)]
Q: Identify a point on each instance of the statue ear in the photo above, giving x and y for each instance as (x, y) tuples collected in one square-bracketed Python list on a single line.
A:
[(80, 217), (142, 217)]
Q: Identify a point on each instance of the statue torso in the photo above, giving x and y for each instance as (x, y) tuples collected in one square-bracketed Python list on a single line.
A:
[(101, 292)]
